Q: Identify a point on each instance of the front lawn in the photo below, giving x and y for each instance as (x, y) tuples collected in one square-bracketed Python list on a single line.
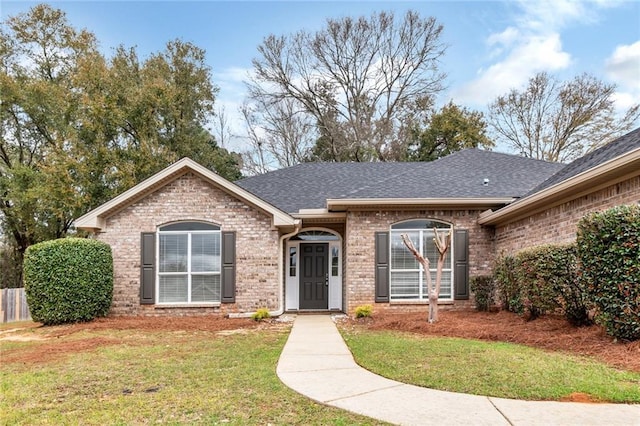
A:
[(117, 375), (489, 368)]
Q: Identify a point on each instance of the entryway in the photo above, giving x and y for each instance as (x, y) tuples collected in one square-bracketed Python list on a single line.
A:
[(313, 268)]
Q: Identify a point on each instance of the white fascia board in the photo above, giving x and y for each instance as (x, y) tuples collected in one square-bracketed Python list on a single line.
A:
[(439, 202), (569, 188), (94, 220)]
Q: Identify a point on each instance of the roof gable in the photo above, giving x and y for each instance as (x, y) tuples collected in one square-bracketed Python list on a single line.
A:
[(95, 219)]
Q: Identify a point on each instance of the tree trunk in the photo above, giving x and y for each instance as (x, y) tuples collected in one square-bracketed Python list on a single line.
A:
[(442, 244)]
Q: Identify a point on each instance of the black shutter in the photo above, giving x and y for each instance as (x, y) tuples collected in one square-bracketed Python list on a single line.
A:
[(228, 267), (461, 264), (148, 268), (382, 266)]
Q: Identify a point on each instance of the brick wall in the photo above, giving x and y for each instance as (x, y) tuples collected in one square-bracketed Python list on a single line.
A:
[(359, 243), (191, 198), (558, 224)]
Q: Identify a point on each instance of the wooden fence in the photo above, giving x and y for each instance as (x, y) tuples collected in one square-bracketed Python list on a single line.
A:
[(13, 305)]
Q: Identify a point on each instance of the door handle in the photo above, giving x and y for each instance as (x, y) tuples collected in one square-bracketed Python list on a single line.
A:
[(326, 279)]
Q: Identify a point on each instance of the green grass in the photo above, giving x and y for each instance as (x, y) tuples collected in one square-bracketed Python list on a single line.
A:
[(486, 368), (152, 377)]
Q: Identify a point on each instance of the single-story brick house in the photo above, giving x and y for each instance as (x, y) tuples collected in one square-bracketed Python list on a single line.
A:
[(326, 236)]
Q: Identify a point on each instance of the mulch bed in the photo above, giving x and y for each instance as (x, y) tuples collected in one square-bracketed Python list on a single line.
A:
[(548, 332)]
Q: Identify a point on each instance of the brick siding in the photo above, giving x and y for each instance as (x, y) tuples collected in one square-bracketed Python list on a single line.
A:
[(558, 224), (359, 275), (191, 198)]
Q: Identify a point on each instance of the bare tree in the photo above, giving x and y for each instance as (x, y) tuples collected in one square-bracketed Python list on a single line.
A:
[(442, 242), (363, 81), (280, 134), (221, 128), (559, 121)]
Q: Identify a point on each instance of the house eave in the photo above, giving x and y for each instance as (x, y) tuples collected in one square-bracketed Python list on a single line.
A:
[(319, 214), (609, 173), (344, 204), (95, 220)]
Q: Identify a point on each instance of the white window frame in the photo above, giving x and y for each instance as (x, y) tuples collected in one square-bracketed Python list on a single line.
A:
[(422, 293), (189, 272)]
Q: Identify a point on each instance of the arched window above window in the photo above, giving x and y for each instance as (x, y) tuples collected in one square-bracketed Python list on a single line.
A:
[(315, 235), (421, 224), (189, 226)]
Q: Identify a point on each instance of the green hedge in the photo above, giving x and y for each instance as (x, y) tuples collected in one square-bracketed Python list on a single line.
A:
[(483, 288), (542, 279), (507, 285), (68, 280), (609, 254)]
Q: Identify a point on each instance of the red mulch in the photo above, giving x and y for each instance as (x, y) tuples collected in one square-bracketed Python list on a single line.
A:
[(548, 332)]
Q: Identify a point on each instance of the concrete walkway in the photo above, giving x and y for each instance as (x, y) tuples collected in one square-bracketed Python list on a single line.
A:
[(317, 363)]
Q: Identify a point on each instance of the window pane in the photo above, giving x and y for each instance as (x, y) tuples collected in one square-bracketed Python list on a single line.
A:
[(421, 224), (205, 252), (292, 261), (445, 284), (190, 226), (173, 253), (173, 289), (334, 261), (401, 257), (405, 285), (430, 251), (205, 288)]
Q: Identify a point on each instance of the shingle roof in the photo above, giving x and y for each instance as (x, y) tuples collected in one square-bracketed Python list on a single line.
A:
[(618, 147), (460, 175)]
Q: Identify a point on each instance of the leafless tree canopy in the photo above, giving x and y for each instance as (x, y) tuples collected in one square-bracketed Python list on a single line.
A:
[(559, 121), (361, 81)]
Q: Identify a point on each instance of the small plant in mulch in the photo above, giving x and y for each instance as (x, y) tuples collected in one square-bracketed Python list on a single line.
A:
[(364, 311), (261, 314)]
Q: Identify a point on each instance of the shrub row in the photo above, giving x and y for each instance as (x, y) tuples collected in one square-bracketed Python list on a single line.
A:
[(542, 279), (601, 272), (68, 280)]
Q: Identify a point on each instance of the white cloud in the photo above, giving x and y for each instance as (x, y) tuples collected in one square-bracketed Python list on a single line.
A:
[(623, 69), (532, 44), (531, 55), (623, 66)]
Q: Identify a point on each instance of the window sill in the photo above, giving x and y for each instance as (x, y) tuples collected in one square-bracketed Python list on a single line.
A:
[(419, 302), (187, 305)]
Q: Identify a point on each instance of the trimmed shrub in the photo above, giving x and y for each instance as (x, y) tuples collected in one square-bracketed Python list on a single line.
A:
[(484, 289), (609, 257), (534, 275), (507, 285), (68, 280), (364, 311)]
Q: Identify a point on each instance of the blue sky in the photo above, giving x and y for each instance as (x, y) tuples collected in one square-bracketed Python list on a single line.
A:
[(493, 45)]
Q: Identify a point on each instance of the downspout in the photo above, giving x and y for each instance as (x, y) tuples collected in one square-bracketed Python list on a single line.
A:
[(297, 226)]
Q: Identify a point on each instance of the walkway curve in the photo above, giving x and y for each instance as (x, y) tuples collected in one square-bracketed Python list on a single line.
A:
[(316, 362)]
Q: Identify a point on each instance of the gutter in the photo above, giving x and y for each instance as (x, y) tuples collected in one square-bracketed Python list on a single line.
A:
[(280, 310), (340, 204)]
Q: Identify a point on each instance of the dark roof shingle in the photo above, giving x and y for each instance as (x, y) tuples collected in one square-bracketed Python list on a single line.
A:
[(459, 175), (618, 147)]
